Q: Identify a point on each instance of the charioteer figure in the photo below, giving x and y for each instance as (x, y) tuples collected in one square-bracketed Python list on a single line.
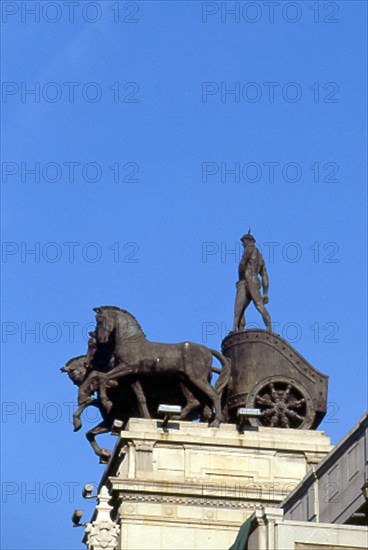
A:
[(248, 287)]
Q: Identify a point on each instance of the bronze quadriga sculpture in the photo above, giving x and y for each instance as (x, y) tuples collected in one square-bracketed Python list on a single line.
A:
[(126, 375)]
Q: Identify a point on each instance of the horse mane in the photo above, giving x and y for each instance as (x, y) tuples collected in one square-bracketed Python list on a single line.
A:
[(125, 312), (73, 359)]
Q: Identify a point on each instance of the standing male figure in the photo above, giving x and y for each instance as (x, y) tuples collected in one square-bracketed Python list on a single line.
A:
[(248, 287)]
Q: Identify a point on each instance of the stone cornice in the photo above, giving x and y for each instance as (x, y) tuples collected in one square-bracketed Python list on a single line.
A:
[(201, 492)]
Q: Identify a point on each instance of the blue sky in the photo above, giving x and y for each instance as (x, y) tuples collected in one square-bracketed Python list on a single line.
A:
[(157, 136)]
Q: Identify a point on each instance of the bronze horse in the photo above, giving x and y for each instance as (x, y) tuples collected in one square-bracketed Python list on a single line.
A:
[(135, 355), (129, 400), (79, 371), (100, 359)]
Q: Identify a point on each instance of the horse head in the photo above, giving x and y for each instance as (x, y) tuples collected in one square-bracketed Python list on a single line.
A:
[(105, 320), (76, 368), (112, 319)]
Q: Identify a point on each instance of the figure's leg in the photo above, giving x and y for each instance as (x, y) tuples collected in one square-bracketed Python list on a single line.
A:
[(141, 398), (239, 304), (258, 302), (101, 428), (247, 301)]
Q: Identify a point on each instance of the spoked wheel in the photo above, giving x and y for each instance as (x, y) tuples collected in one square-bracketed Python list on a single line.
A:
[(283, 404)]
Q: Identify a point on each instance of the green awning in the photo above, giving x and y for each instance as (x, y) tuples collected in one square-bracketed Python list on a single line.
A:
[(241, 541)]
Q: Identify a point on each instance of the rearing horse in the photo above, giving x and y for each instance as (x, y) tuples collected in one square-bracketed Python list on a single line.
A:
[(134, 354)]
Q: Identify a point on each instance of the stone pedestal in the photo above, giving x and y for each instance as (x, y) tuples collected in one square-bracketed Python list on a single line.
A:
[(193, 486)]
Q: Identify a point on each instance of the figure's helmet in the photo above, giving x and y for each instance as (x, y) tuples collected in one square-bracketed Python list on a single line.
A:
[(248, 238)]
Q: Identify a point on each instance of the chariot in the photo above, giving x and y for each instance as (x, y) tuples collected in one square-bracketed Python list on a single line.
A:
[(269, 374)]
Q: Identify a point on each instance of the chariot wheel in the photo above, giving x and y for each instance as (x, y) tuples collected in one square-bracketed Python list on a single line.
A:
[(283, 404)]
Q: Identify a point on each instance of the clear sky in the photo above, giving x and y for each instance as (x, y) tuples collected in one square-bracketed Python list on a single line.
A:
[(157, 133)]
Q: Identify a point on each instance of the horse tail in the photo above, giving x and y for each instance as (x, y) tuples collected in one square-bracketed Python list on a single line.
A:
[(224, 373)]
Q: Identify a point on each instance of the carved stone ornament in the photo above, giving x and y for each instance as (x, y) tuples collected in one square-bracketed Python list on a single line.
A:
[(102, 533)]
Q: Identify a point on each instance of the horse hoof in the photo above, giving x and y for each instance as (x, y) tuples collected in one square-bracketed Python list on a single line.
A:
[(207, 414), (104, 456), (215, 423), (108, 406), (77, 425)]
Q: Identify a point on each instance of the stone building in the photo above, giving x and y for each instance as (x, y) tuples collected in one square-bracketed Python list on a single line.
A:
[(196, 485), (327, 510), (190, 486)]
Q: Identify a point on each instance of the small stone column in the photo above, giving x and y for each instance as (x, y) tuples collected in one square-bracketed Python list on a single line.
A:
[(102, 533), (265, 537)]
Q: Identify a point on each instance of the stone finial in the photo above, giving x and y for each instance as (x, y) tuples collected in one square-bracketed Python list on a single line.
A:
[(102, 533)]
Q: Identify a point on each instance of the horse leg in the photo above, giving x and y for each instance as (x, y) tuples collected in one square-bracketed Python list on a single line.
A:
[(89, 385), (141, 398), (101, 428), (77, 423), (207, 389), (105, 401), (104, 378), (137, 388), (118, 372), (192, 402)]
